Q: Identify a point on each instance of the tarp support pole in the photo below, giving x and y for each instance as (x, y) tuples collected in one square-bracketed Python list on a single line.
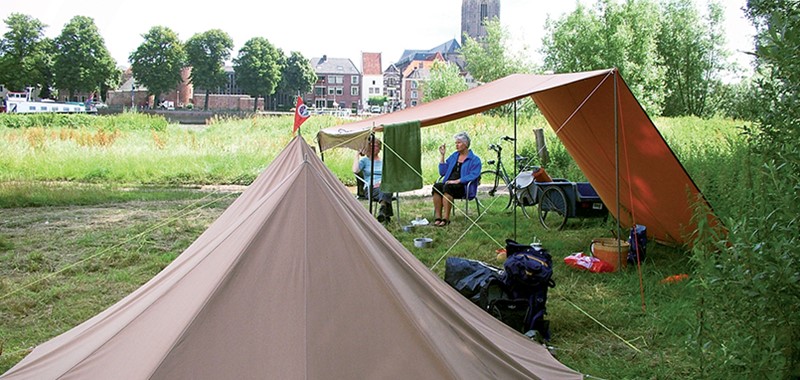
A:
[(616, 171), (514, 178), (371, 148)]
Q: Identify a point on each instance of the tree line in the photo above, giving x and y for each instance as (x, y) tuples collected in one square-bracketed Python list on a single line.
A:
[(670, 53), (77, 61)]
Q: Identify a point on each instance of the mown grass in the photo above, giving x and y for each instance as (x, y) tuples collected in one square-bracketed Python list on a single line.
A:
[(79, 230), (40, 194)]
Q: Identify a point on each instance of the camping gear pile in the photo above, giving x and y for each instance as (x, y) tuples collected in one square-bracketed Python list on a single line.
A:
[(606, 253), (516, 294)]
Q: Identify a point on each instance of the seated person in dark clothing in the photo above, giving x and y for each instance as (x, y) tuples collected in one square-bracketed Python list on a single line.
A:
[(371, 158), (460, 168)]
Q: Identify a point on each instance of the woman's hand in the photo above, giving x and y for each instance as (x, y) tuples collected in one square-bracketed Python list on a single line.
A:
[(442, 149)]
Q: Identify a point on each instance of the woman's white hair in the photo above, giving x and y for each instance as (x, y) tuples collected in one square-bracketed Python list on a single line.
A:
[(463, 136)]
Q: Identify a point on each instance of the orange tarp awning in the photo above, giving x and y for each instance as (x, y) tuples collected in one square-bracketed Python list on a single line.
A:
[(654, 188)]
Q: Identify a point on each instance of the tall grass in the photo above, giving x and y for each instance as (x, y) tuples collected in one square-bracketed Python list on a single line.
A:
[(137, 148)]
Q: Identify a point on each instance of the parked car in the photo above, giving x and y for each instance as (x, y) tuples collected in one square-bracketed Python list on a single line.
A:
[(375, 109)]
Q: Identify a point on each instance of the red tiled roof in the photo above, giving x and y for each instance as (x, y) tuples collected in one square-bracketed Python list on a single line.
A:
[(371, 63)]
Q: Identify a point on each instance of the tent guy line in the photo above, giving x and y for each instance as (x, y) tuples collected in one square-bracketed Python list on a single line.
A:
[(586, 99), (627, 343)]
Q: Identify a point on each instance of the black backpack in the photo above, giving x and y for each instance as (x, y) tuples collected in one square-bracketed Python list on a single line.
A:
[(527, 277), (476, 280)]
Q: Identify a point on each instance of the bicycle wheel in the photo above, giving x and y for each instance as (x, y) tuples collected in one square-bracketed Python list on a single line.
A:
[(553, 208), (522, 207), (499, 184)]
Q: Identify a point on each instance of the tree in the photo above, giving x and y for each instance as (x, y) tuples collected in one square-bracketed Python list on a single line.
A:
[(45, 66), (489, 60), (445, 80), (377, 100), (82, 62), (158, 61), (24, 58), (297, 75), (691, 48), (777, 43), (206, 53), (258, 68), (607, 36)]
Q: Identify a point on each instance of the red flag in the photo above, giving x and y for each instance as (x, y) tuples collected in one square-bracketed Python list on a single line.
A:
[(300, 114)]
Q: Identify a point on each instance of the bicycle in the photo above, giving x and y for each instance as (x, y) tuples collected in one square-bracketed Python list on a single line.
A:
[(498, 177)]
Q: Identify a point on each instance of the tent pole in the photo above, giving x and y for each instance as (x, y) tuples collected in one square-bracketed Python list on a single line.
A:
[(514, 159), (371, 148), (616, 171)]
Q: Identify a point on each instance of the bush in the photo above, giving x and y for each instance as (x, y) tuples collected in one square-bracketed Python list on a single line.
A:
[(748, 277)]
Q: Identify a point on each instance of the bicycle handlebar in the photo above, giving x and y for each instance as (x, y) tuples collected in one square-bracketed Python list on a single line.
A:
[(498, 147)]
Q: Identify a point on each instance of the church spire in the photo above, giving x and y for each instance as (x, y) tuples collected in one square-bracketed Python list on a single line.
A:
[(474, 14)]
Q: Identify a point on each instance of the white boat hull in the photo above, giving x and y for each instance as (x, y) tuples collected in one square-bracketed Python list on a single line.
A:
[(44, 107)]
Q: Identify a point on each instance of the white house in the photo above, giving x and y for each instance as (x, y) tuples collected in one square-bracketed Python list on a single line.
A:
[(372, 80)]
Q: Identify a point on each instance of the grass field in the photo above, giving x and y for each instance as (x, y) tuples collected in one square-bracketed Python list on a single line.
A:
[(85, 223)]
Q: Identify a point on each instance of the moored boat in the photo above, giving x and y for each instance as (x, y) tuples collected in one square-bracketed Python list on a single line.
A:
[(22, 102)]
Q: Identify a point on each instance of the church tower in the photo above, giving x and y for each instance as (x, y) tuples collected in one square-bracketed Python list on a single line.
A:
[(474, 14)]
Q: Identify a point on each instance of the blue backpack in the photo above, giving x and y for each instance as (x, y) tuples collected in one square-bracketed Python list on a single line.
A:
[(528, 275), (638, 242)]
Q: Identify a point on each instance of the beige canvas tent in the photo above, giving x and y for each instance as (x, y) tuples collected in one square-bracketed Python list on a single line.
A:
[(603, 128), (294, 281)]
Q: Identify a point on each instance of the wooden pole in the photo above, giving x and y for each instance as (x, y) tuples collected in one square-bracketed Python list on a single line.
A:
[(541, 147)]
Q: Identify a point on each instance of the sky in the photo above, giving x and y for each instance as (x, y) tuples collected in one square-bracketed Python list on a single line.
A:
[(339, 28)]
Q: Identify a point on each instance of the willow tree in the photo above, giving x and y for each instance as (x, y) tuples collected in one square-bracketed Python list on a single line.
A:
[(692, 49), (611, 35)]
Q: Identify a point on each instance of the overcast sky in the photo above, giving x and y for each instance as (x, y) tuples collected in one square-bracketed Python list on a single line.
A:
[(340, 28)]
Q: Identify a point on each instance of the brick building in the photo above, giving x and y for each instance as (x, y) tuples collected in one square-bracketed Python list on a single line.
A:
[(338, 84)]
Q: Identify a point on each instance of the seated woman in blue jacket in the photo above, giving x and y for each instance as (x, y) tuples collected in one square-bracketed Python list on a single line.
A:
[(460, 168)]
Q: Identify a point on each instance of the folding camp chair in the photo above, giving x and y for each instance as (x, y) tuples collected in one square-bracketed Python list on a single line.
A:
[(363, 193), (467, 196)]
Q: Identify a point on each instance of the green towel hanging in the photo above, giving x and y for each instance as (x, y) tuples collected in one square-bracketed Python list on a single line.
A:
[(402, 157)]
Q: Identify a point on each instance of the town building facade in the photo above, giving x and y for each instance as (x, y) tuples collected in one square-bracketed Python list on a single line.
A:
[(372, 83), (338, 84)]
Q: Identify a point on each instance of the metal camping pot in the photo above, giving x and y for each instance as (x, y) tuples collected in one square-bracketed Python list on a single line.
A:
[(423, 242)]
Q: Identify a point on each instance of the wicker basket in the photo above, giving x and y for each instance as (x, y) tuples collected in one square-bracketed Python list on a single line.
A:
[(611, 250)]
